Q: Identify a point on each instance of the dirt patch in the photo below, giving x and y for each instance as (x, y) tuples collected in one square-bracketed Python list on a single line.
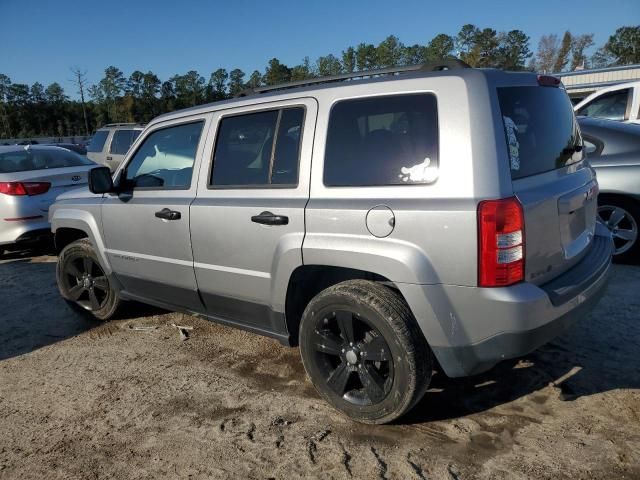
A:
[(88, 400)]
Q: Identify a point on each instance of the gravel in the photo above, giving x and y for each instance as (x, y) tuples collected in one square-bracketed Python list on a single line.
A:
[(121, 400)]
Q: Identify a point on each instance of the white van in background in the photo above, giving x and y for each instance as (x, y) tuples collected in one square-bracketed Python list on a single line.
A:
[(619, 102), (109, 144)]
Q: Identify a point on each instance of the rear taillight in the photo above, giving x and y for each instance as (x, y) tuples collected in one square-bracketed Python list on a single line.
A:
[(500, 242), (24, 188)]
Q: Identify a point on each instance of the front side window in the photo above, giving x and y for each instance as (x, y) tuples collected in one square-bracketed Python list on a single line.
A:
[(258, 149), (165, 158), (390, 140), (97, 142), (612, 106), (122, 140)]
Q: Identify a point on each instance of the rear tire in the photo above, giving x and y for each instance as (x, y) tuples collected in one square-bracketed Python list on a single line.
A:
[(83, 283), (363, 351), (622, 217)]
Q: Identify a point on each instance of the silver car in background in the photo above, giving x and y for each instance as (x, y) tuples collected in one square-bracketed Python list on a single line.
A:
[(31, 177), (613, 149), (111, 142)]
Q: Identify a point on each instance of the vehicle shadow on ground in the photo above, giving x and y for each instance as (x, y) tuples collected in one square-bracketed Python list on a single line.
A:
[(598, 354), (33, 314)]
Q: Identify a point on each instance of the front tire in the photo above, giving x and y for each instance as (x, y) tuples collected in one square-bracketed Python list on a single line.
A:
[(83, 283), (363, 351)]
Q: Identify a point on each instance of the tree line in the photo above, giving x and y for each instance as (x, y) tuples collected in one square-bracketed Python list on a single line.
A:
[(36, 110)]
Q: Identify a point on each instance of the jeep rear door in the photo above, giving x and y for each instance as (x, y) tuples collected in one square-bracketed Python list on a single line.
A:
[(247, 221)]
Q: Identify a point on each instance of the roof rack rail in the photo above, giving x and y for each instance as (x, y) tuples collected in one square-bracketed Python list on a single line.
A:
[(440, 65), (123, 125)]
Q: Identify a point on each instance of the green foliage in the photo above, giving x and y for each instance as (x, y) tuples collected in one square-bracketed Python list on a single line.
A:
[(366, 57), (562, 57), (255, 80), (513, 50), (38, 110), (389, 52), (217, 86), (236, 84), (349, 60), (624, 45), (276, 73), (328, 65), (299, 72), (578, 46), (440, 47)]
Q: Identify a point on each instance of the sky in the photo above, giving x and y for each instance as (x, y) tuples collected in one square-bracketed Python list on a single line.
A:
[(40, 40)]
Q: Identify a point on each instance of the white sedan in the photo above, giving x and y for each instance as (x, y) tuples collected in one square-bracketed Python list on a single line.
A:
[(31, 177)]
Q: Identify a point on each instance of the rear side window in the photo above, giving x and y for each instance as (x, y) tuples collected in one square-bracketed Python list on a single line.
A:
[(258, 149), (122, 140), (32, 159), (540, 129), (390, 140), (97, 142), (612, 105)]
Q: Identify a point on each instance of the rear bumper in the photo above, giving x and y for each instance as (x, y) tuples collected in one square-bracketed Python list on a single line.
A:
[(23, 231), (478, 327)]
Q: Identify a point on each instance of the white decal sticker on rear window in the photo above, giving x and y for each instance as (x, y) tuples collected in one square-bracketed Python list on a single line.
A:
[(423, 172), (514, 147)]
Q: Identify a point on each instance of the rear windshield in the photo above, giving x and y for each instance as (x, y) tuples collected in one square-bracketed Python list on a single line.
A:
[(40, 159), (97, 142), (540, 129)]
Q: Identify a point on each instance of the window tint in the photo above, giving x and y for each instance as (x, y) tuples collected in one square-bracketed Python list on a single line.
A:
[(540, 129), (165, 158), (97, 142), (382, 141), (287, 152), (122, 140), (245, 152), (37, 159), (612, 106)]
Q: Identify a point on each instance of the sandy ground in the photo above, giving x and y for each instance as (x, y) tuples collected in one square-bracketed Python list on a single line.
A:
[(80, 400)]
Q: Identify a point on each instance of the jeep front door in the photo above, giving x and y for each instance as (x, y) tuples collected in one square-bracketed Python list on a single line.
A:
[(146, 226)]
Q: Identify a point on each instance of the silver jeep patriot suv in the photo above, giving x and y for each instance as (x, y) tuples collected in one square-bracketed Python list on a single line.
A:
[(389, 223)]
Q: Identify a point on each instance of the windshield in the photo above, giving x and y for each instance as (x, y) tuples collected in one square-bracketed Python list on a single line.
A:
[(540, 129), (26, 160)]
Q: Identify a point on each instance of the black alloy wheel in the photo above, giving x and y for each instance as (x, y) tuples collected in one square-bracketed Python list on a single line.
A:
[(364, 352), (85, 282), (354, 357)]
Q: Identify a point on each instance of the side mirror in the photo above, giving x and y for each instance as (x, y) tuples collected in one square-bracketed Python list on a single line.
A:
[(100, 180)]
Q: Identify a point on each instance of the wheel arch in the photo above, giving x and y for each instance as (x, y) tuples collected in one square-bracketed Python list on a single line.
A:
[(69, 225), (307, 281), (615, 195), (65, 235)]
